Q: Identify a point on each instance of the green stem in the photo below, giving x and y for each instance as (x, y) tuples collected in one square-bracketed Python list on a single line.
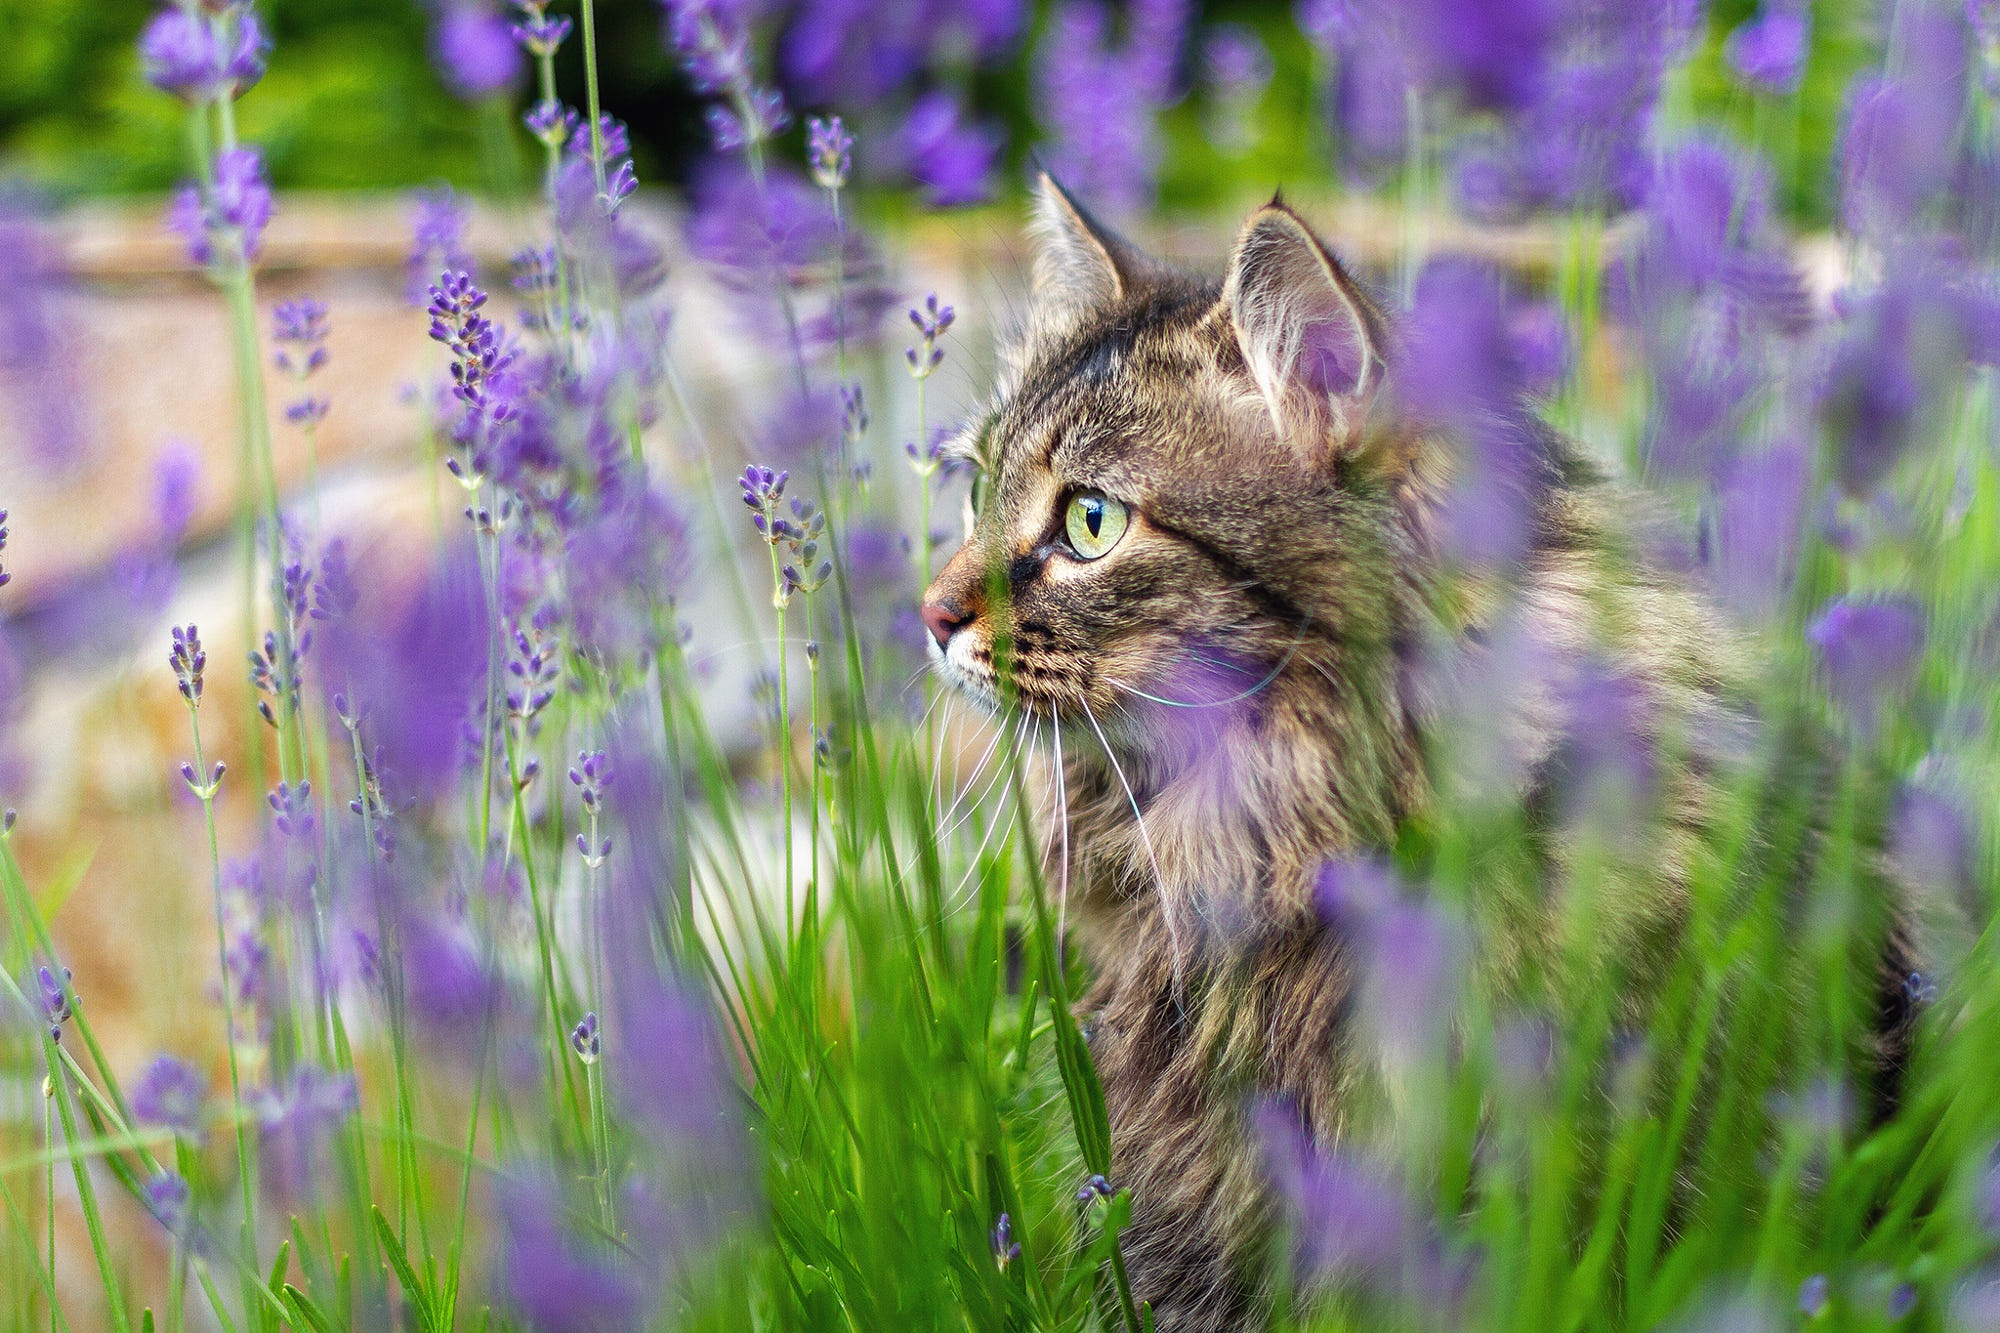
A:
[(244, 1172)]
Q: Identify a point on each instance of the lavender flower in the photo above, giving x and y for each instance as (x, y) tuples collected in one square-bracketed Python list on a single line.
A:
[(1869, 650), (538, 34), (38, 363), (931, 321), (438, 223), (1103, 99), (829, 152), (1750, 540), (762, 114), (585, 1040), (1355, 1222), (167, 1197), (1896, 133), (479, 359), (404, 665), (1409, 985), (590, 776), (55, 999), (1093, 1190), (297, 1121), (532, 662), (553, 1280), (1813, 1296), (954, 161), (176, 483), (1933, 842), (762, 490), (199, 58), (1005, 1248), (299, 328), (473, 47), (170, 1093), (1769, 51), (229, 218)]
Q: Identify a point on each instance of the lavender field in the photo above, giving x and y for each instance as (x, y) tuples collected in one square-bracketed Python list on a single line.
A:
[(484, 845)]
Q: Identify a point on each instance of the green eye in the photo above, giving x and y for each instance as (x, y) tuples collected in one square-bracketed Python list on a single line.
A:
[(1094, 522)]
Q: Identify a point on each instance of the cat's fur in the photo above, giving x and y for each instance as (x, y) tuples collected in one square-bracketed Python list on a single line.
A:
[(1283, 565)]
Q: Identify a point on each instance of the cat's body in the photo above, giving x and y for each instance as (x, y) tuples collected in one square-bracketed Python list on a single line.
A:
[(1242, 678)]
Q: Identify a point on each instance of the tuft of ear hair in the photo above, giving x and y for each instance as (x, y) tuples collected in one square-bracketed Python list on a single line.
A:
[(1082, 267), (1309, 335)]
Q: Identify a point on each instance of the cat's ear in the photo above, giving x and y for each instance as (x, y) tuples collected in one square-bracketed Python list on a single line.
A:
[(1311, 338), (1081, 265)]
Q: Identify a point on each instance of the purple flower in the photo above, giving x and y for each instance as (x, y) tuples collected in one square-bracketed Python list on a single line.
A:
[(300, 328), (712, 37), (1235, 62), (1408, 984), (409, 663), (242, 194), (1896, 133), (184, 52), (237, 205), (1463, 372), (55, 999), (1813, 1296), (1751, 541), (167, 1197), (539, 35), (1099, 100), (297, 1122), (954, 161), (437, 240), (180, 53), (1579, 135), (473, 47), (176, 488), (5, 577), (931, 322), (1354, 1222), (1005, 1248), (555, 1281), (585, 1039), (829, 152), (1769, 51), (37, 335), (170, 1093), (1869, 650), (188, 661), (187, 217), (1933, 842)]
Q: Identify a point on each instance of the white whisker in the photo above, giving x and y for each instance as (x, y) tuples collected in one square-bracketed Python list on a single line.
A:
[(1159, 881)]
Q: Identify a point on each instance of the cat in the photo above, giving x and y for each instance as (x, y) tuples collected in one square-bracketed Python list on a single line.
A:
[(1200, 492)]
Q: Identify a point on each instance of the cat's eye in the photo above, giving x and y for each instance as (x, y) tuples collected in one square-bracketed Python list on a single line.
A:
[(975, 501), (1094, 522)]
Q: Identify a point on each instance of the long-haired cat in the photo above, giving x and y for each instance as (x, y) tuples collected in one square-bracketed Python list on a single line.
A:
[(1210, 550)]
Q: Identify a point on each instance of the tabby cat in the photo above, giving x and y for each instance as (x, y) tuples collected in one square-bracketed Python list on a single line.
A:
[(1199, 492)]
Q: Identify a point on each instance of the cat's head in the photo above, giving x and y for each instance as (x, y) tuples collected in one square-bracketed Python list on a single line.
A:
[(1177, 480)]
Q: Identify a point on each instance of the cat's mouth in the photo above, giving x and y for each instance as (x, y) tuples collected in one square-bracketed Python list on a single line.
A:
[(1024, 685)]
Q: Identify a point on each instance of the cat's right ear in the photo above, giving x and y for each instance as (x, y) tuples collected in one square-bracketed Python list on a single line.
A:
[(1309, 335), (1082, 267)]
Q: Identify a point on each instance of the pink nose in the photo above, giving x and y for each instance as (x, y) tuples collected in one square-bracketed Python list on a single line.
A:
[(944, 619)]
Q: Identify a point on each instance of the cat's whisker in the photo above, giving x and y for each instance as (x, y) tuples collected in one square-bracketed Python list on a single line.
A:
[(957, 903), (1146, 837), (1061, 788)]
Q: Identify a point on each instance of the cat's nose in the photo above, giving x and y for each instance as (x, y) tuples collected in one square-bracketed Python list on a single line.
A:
[(944, 619)]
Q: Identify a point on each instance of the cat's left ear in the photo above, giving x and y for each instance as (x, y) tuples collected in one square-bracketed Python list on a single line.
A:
[(1311, 338)]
